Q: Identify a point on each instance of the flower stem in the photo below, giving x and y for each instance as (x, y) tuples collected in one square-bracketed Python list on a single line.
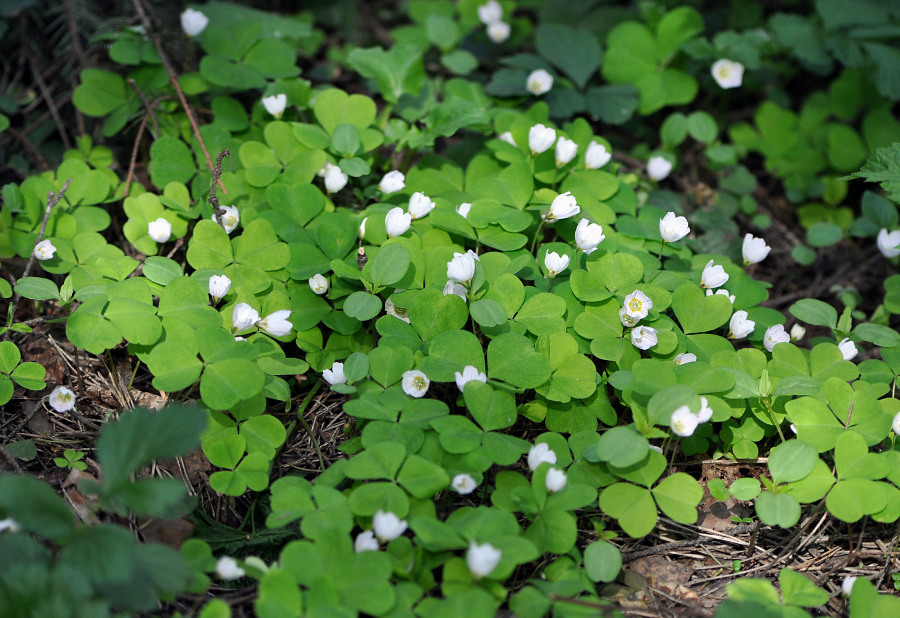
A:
[(658, 262), (536, 234)]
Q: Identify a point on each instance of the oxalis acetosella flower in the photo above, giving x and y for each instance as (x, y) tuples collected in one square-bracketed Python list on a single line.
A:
[(463, 484), (275, 104), (230, 218), (721, 292), (588, 236), (463, 209), (482, 559), (507, 137), (159, 230), (318, 284), (398, 312), (739, 326), (219, 286), (797, 333), (276, 324), (555, 480), (335, 179), (498, 31), (706, 412), (713, 276), (461, 268), (566, 150), (555, 263), (683, 422), (847, 585), (469, 373), (61, 399), (335, 375), (392, 182), (637, 305), (193, 22), (388, 526), (490, 12), (728, 73), (658, 168), (397, 222), (227, 568), (457, 289), (673, 228), (848, 349), (684, 358), (540, 138), (420, 205), (895, 425), (888, 243), (44, 250), (415, 383), (243, 316), (365, 541), (540, 453), (563, 206), (9, 525), (539, 82), (754, 249), (644, 337), (775, 335), (596, 156)]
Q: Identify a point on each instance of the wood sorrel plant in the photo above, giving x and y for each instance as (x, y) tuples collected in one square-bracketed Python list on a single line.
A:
[(526, 336)]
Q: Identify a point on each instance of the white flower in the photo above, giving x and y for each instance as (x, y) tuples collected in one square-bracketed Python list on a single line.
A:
[(739, 326), (563, 207), (275, 104), (397, 222), (754, 249), (794, 428), (588, 235), (721, 292), (775, 335), (797, 332), (415, 383), (705, 412), (507, 137), (420, 205), (566, 150), (392, 182), (644, 337), (490, 13), (847, 585), (365, 541), (596, 156), (219, 286), (452, 287), (243, 317), (62, 399), (540, 453), (555, 263), (685, 358), (895, 425), (482, 559), (539, 82), (193, 22), (9, 524), (318, 284), (848, 349), (658, 167), (461, 268), (626, 318), (388, 526), (658, 449), (398, 312), (227, 568), (230, 218), (468, 374), (276, 324), (889, 243), (713, 276), (540, 138), (362, 228), (727, 73), (463, 209), (335, 375), (463, 483), (637, 305), (44, 250), (335, 179), (498, 31), (159, 230), (555, 480), (673, 228), (683, 422)]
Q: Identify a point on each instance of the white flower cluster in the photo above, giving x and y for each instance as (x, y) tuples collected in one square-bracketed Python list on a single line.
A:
[(397, 222), (276, 324), (491, 15)]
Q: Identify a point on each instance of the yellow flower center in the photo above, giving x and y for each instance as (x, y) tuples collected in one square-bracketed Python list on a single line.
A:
[(401, 311), (635, 305), (419, 383)]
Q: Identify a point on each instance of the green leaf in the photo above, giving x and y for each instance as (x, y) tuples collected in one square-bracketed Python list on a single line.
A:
[(228, 381), (850, 500), (421, 477), (209, 246), (99, 93), (35, 506), (797, 589), (170, 161), (493, 409), (632, 506), (36, 288), (698, 313), (778, 509), (575, 52), (389, 265), (814, 311), (602, 561), (431, 313), (512, 358), (260, 247), (678, 496), (398, 71), (618, 271), (542, 314), (487, 312), (620, 446), (792, 461), (9, 356), (362, 306), (387, 365)]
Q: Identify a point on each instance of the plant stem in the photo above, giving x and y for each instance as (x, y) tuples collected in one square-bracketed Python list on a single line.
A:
[(536, 234), (658, 262), (300, 412)]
